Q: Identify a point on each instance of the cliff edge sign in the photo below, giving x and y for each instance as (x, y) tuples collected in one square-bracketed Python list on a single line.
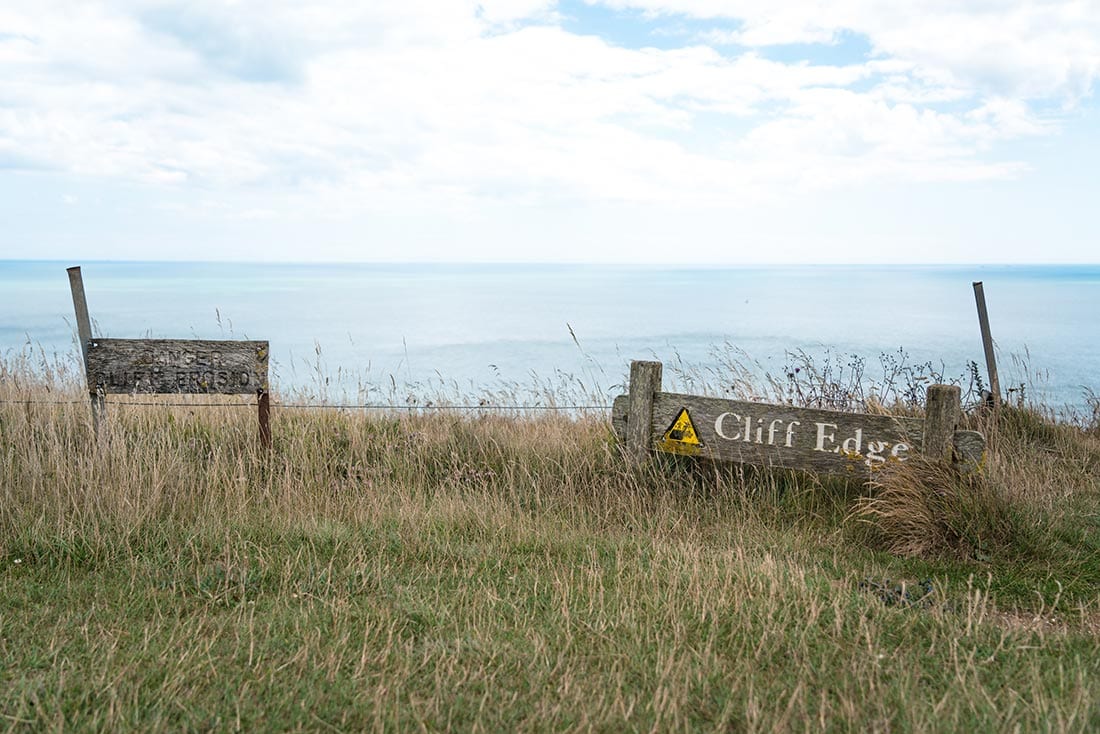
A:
[(786, 437)]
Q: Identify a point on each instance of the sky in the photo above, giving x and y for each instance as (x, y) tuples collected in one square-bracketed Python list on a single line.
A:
[(621, 131)]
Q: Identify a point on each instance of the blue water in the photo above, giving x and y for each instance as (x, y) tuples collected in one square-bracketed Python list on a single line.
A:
[(369, 327)]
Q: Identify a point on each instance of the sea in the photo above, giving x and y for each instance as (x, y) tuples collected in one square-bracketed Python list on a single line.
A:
[(369, 333)]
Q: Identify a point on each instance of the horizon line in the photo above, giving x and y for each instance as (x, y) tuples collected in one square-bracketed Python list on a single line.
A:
[(556, 263)]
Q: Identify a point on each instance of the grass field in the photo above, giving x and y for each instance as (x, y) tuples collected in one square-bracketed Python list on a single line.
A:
[(484, 573)]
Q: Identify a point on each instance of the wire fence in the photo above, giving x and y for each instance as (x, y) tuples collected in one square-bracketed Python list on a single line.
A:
[(328, 406)]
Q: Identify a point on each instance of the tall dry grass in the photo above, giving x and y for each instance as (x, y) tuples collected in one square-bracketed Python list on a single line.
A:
[(437, 570)]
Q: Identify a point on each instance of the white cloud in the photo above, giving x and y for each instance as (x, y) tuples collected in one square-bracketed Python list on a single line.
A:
[(1030, 48), (447, 103), (508, 11)]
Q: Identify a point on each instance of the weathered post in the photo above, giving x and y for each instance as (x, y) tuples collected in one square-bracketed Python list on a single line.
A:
[(987, 345), (942, 413), (84, 333), (264, 401), (645, 382)]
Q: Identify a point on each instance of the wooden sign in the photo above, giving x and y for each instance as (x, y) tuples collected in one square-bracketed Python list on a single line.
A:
[(168, 366), (177, 366), (786, 437)]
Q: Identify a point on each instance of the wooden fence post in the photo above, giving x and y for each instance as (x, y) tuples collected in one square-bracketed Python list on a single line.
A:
[(264, 406), (987, 345), (942, 413), (84, 333), (645, 382)]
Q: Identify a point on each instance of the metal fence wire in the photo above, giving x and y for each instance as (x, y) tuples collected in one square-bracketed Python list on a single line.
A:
[(324, 406)]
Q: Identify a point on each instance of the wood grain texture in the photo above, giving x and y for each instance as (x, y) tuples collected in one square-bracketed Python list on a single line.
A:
[(969, 451), (620, 406), (645, 381), (177, 366), (942, 412), (822, 441), (987, 344), (264, 414), (80, 308), (84, 333)]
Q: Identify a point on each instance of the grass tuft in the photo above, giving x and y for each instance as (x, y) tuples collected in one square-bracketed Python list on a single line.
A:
[(924, 508)]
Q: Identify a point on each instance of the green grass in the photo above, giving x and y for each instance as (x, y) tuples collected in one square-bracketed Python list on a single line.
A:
[(487, 573)]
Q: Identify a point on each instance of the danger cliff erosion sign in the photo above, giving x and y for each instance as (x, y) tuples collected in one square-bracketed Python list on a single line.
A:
[(187, 366)]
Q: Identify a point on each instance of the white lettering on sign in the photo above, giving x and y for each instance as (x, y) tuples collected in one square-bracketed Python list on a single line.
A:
[(724, 422), (822, 437), (720, 422), (783, 433), (853, 445)]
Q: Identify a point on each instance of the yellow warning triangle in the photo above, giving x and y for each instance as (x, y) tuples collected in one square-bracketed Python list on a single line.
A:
[(681, 438)]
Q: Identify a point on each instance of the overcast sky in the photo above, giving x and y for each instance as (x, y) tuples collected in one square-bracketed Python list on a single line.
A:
[(710, 131)]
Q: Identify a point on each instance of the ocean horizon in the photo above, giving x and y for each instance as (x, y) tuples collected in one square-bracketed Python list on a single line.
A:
[(358, 332)]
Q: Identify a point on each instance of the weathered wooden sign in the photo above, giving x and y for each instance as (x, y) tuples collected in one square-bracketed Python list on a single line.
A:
[(177, 366), (168, 366), (786, 437)]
